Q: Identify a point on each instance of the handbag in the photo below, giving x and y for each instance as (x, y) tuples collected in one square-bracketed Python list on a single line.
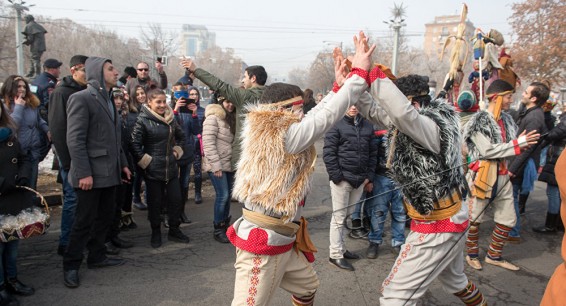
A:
[(28, 223)]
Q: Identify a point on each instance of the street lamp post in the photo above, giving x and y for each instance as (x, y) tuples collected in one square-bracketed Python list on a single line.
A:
[(19, 8), (396, 23)]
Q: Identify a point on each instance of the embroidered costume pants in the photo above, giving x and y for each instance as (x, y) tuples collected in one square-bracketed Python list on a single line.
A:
[(258, 276), (424, 258), (503, 206), (343, 195)]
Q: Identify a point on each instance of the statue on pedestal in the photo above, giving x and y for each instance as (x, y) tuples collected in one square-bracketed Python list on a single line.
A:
[(35, 38)]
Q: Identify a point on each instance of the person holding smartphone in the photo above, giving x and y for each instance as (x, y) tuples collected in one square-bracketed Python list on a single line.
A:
[(186, 115), (190, 107)]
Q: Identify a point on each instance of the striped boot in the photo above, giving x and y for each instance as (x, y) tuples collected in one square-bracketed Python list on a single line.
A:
[(303, 301), (471, 295), (472, 247), (498, 238)]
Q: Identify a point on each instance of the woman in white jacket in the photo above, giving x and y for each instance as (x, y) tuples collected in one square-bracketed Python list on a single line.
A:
[(217, 136)]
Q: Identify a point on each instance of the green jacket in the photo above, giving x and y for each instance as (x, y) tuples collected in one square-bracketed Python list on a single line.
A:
[(238, 96)]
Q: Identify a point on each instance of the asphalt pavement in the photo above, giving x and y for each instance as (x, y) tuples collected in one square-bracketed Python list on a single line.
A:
[(202, 272)]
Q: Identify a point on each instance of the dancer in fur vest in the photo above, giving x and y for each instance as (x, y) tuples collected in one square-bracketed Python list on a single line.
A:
[(273, 248)]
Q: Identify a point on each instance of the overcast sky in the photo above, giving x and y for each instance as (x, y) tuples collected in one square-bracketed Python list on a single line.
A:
[(279, 35)]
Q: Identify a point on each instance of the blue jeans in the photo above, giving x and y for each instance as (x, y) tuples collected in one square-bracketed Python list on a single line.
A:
[(385, 199), (69, 208), (9, 251), (185, 175), (516, 230), (357, 214), (553, 194), (223, 187)]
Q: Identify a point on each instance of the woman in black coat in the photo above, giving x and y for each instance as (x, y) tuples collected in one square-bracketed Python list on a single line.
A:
[(557, 139), (15, 169), (153, 148)]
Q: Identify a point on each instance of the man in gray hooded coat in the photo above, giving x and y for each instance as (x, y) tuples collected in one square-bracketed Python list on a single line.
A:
[(97, 161)]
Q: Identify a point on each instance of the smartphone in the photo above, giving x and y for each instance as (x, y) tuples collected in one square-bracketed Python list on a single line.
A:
[(181, 94)]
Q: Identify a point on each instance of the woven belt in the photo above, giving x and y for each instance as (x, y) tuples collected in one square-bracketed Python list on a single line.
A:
[(277, 225), (444, 208)]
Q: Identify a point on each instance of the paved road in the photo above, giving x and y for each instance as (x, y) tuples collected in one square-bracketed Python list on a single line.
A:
[(202, 273)]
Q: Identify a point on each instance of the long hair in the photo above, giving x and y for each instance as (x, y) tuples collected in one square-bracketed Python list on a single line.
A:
[(230, 117), (133, 104), (6, 120), (9, 91)]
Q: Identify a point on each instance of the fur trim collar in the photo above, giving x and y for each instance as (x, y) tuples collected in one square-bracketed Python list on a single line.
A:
[(167, 118), (215, 110)]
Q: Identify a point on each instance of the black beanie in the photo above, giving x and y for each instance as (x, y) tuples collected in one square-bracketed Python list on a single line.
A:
[(498, 86)]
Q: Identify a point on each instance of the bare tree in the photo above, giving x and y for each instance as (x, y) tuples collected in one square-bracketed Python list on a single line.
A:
[(158, 41), (298, 76), (223, 63)]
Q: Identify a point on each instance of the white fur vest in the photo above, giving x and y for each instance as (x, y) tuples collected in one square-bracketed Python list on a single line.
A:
[(425, 176), (267, 175), (484, 123)]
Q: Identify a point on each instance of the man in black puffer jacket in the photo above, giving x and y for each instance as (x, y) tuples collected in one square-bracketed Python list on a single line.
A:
[(350, 156)]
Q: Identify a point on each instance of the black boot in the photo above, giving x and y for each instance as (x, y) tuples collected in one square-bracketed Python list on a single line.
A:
[(14, 286), (185, 194), (523, 203), (549, 226), (358, 231), (6, 298), (220, 233), (155, 237), (198, 189), (227, 223), (176, 235)]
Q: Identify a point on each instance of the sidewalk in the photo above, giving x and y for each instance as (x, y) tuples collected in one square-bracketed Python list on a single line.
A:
[(202, 273)]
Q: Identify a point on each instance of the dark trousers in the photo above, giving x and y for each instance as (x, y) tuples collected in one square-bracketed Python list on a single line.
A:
[(123, 202), (155, 192), (95, 211)]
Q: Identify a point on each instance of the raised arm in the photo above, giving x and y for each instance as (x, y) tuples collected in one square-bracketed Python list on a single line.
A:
[(401, 112), (320, 119)]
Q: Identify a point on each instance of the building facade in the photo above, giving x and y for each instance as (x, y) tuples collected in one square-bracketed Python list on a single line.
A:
[(438, 31), (194, 39)]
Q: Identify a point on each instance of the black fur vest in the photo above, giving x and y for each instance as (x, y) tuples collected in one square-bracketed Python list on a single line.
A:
[(423, 175), (484, 123)]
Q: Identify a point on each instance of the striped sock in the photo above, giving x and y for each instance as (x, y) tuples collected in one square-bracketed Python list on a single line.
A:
[(498, 238), (303, 301), (472, 240), (471, 295)]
